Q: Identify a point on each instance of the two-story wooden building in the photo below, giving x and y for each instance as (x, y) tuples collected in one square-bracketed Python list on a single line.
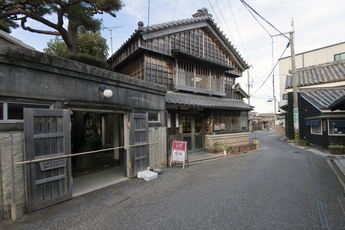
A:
[(199, 66)]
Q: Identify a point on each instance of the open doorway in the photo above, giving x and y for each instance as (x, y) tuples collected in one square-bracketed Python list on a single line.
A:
[(91, 132)]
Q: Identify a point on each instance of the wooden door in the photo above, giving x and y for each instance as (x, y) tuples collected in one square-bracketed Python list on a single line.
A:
[(139, 135), (192, 132), (47, 134)]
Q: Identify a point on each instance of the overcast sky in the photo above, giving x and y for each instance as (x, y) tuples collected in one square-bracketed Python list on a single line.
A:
[(317, 23)]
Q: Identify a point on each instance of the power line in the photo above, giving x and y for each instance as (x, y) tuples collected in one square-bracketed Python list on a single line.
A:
[(214, 12), (272, 69), (285, 9), (174, 11), (233, 15), (226, 23), (250, 8)]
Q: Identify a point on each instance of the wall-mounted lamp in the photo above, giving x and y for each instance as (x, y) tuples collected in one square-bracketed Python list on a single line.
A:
[(106, 92)]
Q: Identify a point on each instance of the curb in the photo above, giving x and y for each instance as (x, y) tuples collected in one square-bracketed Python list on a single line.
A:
[(339, 170)]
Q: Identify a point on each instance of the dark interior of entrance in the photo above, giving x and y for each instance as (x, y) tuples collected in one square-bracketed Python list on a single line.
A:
[(92, 131)]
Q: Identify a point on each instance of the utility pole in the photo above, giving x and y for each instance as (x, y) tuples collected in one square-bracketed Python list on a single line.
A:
[(248, 87), (295, 95), (294, 82)]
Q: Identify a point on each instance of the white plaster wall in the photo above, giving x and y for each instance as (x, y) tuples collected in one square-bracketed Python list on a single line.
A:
[(306, 59)]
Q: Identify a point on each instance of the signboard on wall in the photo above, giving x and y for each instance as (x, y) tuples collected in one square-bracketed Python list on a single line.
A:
[(295, 119), (178, 152)]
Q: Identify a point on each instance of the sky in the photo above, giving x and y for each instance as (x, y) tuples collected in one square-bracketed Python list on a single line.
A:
[(317, 23)]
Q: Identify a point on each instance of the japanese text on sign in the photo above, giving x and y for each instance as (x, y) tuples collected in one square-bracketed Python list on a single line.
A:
[(178, 151), (46, 165)]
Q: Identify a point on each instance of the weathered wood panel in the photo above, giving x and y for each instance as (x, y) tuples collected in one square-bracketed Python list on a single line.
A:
[(47, 133), (139, 135)]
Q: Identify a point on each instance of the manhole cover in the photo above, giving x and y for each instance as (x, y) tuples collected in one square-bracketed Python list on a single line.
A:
[(296, 152)]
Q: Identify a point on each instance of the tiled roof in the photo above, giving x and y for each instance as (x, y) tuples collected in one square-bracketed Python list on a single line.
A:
[(337, 103), (205, 101), (177, 23), (321, 98), (320, 74)]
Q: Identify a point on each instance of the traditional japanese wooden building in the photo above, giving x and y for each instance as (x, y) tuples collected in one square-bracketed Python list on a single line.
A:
[(321, 117), (199, 66)]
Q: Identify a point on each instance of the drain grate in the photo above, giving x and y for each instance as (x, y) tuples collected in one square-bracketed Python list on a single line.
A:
[(297, 152), (322, 214)]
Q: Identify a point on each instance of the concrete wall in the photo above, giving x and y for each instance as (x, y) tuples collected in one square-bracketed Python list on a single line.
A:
[(158, 152), (231, 139), (280, 130), (33, 75), (12, 176)]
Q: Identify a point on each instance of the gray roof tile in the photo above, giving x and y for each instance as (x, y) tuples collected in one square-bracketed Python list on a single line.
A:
[(320, 74), (322, 98), (205, 101), (176, 23)]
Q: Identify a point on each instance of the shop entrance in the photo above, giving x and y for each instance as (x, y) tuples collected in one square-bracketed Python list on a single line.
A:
[(92, 132), (192, 132)]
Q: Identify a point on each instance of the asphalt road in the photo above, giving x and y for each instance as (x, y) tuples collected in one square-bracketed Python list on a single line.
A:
[(267, 189)]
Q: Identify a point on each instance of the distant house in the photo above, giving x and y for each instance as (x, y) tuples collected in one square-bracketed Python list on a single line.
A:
[(262, 121), (199, 66), (321, 91)]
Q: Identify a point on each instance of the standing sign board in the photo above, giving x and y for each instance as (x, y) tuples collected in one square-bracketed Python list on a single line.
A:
[(178, 152)]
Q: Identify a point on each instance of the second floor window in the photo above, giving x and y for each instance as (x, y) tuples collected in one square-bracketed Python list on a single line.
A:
[(199, 77), (339, 57)]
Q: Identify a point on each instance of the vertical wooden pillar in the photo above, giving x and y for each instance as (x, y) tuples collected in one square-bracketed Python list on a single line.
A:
[(116, 137), (104, 132)]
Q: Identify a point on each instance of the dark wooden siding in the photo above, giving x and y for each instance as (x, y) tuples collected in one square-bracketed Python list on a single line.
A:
[(307, 110)]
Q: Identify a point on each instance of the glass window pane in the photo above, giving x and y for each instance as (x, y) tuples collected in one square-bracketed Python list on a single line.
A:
[(1, 111), (198, 142), (187, 125), (198, 124), (15, 111), (189, 142), (153, 116)]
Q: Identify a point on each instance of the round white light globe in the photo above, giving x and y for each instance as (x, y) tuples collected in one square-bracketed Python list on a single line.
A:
[(108, 93)]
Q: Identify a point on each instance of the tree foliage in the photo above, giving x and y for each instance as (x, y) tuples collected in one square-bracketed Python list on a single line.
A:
[(78, 12), (89, 43), (92, 48)]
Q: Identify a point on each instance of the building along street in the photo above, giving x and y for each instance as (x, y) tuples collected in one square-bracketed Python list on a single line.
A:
[(276, 187)]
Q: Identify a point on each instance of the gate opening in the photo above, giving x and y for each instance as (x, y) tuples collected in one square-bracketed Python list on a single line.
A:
[(92, 131)]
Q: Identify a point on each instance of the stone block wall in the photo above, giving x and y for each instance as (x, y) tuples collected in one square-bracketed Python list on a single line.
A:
[(158, 152), (279, 130), (12, 179)]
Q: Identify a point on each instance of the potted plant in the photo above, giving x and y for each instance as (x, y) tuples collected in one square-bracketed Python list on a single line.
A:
[(247, 147), (217, 144), (336, 149), (252, 146), (304, 142), (235, 149), (225, 148), (242, 148), (229, 150)]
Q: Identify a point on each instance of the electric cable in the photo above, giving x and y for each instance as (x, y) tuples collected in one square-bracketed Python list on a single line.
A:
[(272, 69), (214, 12), (249, 7), (233, 15), (226, 24)]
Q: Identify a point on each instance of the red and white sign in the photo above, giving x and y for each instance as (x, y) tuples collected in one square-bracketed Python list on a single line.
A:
[(178, 152)]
